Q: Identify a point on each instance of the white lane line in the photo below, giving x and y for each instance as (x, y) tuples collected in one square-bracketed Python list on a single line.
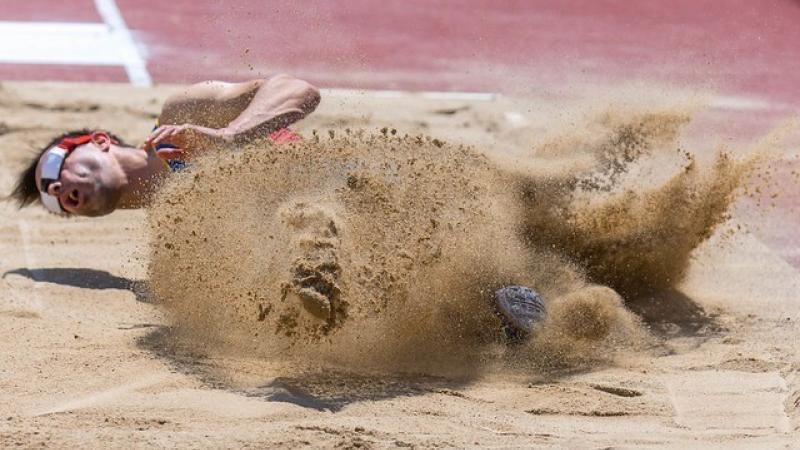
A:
[(63, 43), (736, 103), (135, 65), (57, 43), (731, 103), (430, 95)]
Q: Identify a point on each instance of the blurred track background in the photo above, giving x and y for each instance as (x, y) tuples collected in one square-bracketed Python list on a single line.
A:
[(740, 47)]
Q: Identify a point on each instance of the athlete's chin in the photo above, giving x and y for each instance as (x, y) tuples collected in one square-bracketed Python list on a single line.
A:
[(97, 208), (97, 213), (104, 202)]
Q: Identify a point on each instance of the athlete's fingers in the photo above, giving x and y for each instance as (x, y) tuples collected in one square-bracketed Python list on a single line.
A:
[(177, 137), (157, 133), (165, 135), (171, 153)]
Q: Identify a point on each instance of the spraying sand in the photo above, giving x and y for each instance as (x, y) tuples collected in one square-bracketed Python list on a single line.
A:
[(383, 251)]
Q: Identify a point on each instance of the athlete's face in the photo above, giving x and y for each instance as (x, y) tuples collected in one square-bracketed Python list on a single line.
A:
[(89, 183)]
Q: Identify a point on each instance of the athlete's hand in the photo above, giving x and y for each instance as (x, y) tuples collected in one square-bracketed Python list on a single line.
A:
[(184, 139)]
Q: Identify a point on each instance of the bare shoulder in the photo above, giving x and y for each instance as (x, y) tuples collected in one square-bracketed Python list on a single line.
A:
[(210, 103), (216, 90), (216, 104)]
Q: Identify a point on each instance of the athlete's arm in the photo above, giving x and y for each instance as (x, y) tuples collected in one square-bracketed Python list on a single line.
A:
[(278, 103), (217, 112)]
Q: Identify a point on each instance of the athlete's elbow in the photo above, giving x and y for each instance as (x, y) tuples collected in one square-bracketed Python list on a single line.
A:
[(311, 98), (305, 95)]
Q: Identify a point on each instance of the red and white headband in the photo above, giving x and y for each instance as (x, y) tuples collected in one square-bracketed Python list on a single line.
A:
[(52, 163)]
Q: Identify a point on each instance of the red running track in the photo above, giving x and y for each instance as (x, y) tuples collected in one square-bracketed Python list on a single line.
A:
[(742, 47)]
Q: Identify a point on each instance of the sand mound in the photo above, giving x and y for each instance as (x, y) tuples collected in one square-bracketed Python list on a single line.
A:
[(383, 251)]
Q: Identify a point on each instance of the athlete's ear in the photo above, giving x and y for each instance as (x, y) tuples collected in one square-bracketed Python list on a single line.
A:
[(102, 140), (54, 188)]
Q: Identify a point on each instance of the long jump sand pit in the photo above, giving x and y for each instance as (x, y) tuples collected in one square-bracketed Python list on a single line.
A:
[(657, 227)]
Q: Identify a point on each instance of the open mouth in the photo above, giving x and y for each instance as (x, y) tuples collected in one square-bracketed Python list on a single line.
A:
[(74, 198)]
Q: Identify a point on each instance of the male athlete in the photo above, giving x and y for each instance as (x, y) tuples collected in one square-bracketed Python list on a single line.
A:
[(93, 172)]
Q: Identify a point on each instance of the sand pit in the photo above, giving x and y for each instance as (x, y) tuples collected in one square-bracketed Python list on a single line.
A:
[(334, 292)]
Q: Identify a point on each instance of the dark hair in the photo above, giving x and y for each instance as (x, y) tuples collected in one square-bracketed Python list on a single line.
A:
[(25, 191)]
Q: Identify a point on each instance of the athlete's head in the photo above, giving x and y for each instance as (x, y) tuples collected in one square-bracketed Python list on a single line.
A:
[(75, 173)]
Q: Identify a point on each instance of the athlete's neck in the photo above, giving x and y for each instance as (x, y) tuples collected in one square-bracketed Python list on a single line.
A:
[(143, 172)]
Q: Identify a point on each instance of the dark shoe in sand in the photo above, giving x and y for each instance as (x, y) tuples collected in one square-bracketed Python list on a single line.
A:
[(520, 309)]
